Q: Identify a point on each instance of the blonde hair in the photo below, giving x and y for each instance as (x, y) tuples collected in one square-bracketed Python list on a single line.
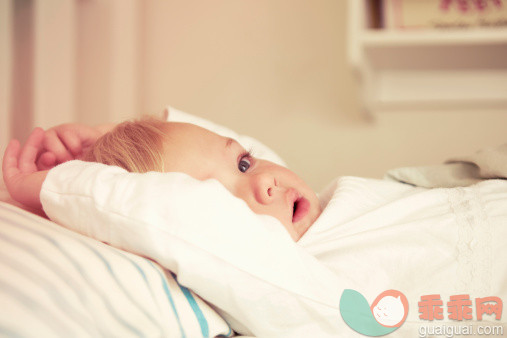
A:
[(136, 146)]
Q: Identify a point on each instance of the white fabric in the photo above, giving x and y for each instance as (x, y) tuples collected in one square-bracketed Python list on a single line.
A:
[(459, 171), (57, 283), (259, 150), (374, 235), (386, 235), (245, 264)]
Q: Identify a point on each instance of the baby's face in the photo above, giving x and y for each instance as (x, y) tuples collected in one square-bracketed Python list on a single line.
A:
[(266, 187)]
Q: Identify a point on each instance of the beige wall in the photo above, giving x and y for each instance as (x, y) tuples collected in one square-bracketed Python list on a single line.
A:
[(272, 69), (275, 70)]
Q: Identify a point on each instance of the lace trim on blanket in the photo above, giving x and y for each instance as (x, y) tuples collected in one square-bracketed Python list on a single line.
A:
[(473, 249)]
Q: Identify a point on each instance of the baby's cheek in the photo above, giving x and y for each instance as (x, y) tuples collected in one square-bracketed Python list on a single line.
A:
[(284, 213), (278, 211)]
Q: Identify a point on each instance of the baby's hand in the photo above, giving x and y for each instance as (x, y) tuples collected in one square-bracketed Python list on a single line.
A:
[(66, 142), (21, 176)]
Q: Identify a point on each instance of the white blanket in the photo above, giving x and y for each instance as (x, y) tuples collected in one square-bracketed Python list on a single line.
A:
[(375, 235), (387, 235)]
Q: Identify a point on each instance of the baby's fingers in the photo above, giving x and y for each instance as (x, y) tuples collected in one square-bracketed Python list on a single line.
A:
[(26, 161), (54, 145), (10, 161), (46, 161), (72, 142)]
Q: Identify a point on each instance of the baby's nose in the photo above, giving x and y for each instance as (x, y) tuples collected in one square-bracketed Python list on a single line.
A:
[(265, 189)]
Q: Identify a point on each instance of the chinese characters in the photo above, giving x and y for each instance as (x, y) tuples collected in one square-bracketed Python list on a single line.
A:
[(459, 307)]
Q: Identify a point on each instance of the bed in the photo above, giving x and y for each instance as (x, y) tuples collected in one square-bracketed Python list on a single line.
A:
[(58, 282)]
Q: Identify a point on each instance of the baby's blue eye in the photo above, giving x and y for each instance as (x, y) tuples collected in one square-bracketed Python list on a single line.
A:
[(244, 164)]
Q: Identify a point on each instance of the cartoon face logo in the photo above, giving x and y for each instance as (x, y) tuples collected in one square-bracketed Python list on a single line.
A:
[(388, 310), (386, 314)]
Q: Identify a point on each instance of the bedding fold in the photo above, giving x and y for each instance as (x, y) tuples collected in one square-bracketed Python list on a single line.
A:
[(461, 171)]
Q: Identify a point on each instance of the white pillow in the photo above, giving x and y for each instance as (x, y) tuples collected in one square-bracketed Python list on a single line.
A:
[(54, 282), (245, 264), (259, 149)]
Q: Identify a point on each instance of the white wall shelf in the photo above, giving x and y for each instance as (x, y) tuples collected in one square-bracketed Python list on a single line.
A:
[(427, 68), (473, 37)]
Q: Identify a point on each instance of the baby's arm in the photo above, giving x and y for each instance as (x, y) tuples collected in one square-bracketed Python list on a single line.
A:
[(21, 176)]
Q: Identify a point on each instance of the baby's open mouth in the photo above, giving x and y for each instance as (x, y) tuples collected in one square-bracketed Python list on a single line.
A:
[(300, 209)]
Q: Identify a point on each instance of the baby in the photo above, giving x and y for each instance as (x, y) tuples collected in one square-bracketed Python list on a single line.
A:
[(153, 145)]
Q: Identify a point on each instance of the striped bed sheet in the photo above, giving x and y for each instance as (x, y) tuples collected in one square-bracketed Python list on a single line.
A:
[(56, 283)]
